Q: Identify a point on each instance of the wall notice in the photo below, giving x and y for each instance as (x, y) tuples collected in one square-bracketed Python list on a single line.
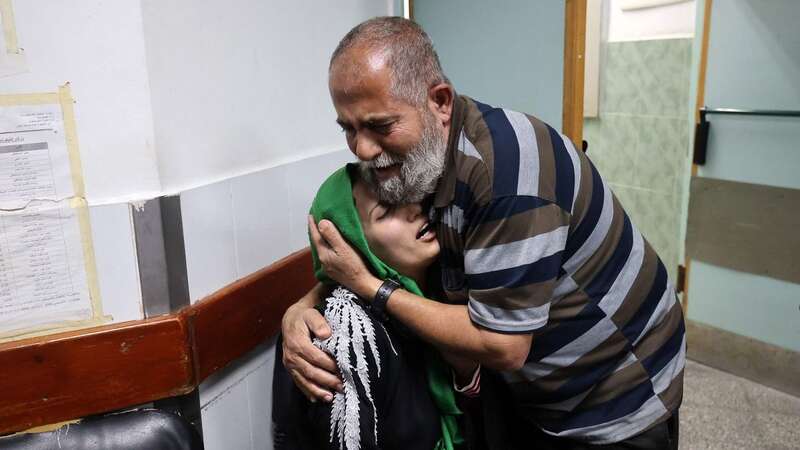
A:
[(42, 269), (34, 160), (47, 276)]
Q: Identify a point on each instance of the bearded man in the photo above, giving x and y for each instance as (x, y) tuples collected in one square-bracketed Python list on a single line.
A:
[(551, 290)]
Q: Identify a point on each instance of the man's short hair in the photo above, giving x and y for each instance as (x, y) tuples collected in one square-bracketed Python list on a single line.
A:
[(413, 62)]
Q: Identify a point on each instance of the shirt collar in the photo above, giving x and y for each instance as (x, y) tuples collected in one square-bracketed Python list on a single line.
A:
[(446, 187)]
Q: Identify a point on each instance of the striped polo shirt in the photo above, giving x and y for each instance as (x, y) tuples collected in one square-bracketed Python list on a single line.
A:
[(534, 241)]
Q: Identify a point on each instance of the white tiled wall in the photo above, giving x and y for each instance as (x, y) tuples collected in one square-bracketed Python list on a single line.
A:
[(207, 214), (231, 229), (303, 179), (261, 232), (226, 421), (115, 258)]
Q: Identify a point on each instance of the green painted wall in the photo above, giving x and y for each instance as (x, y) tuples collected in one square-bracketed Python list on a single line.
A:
[(506, 54)]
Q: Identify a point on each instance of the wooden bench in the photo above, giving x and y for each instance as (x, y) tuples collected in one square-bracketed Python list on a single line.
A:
[(70, 375)]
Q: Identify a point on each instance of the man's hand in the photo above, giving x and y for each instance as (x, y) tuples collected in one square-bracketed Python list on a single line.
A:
[(313, 371), (340, 261)]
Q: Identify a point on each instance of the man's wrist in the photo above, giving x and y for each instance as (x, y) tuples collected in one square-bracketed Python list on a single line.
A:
[(308, 301), (369, 288)]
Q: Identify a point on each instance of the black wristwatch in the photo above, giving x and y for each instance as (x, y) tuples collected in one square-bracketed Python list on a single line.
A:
[(378, 305)]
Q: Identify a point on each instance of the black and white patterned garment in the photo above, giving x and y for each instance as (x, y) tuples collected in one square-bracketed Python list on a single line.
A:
[(385, 404)]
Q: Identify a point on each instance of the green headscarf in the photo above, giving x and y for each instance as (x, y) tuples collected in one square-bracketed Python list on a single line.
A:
[(334, 201)]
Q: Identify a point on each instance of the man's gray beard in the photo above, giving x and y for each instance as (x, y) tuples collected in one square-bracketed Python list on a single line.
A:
[(419, 173)]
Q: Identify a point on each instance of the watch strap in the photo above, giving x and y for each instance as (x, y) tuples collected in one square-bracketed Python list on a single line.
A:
[(378, 305)]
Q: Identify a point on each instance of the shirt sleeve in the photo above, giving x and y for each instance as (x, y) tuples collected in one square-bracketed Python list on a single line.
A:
[(473, 387), (512, 258)]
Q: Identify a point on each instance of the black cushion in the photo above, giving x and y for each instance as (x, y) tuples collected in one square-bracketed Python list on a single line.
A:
[(141, 430)]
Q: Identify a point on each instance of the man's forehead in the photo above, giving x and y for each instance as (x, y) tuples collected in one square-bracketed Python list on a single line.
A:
[(357, 73), (361, 59)]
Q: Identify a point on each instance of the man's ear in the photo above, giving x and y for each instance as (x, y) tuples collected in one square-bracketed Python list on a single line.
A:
[(440, 101)]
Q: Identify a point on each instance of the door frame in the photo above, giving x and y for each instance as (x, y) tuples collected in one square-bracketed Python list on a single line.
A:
[(574, 62), (700, 100)]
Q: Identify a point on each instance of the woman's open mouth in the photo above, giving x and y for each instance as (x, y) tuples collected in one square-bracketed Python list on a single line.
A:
[(426, 233)]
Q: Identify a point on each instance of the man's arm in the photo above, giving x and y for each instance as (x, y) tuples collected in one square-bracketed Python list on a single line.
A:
[(448, 327), (313, 371), (463, 368)]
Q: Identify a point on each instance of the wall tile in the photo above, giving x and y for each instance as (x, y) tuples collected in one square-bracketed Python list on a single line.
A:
[(625, 195), (640, 142), (303, 179), (207, 214), (221, 380), (115, 258), (667, 65), (226, 421), (654, 215), (259, 391), (612, 148), (245, 388), (620, 91), (658, 222), (660, 151), (261, 222), (647, 77)]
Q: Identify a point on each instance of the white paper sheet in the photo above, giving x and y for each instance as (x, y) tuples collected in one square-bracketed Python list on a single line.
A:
[(34, 161), (42, 271)]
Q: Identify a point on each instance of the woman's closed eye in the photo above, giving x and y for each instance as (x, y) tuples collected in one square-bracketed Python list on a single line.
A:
[(383, 211)]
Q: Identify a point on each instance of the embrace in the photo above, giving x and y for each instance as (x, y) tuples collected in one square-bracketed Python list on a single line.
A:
[(480, 285)]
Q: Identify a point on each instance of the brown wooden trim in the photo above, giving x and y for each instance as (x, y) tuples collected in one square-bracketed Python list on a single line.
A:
[(685, 298), (244, 314), (701, 92), (680, 283), (574, 48), (701, 77), (73, 374)]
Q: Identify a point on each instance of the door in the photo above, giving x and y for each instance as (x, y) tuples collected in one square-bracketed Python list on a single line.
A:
[(743, 246)]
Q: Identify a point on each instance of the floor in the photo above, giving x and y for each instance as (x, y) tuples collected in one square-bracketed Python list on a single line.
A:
[(723, 411)]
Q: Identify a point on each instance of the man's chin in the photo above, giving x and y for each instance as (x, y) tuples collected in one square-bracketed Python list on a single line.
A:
[(387, 194)]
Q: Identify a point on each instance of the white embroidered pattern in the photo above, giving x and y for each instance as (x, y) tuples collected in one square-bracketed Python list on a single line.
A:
[(351, 328)]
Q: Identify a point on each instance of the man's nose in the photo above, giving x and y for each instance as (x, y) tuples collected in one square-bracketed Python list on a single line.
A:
[(366, 148), (414, 211)]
